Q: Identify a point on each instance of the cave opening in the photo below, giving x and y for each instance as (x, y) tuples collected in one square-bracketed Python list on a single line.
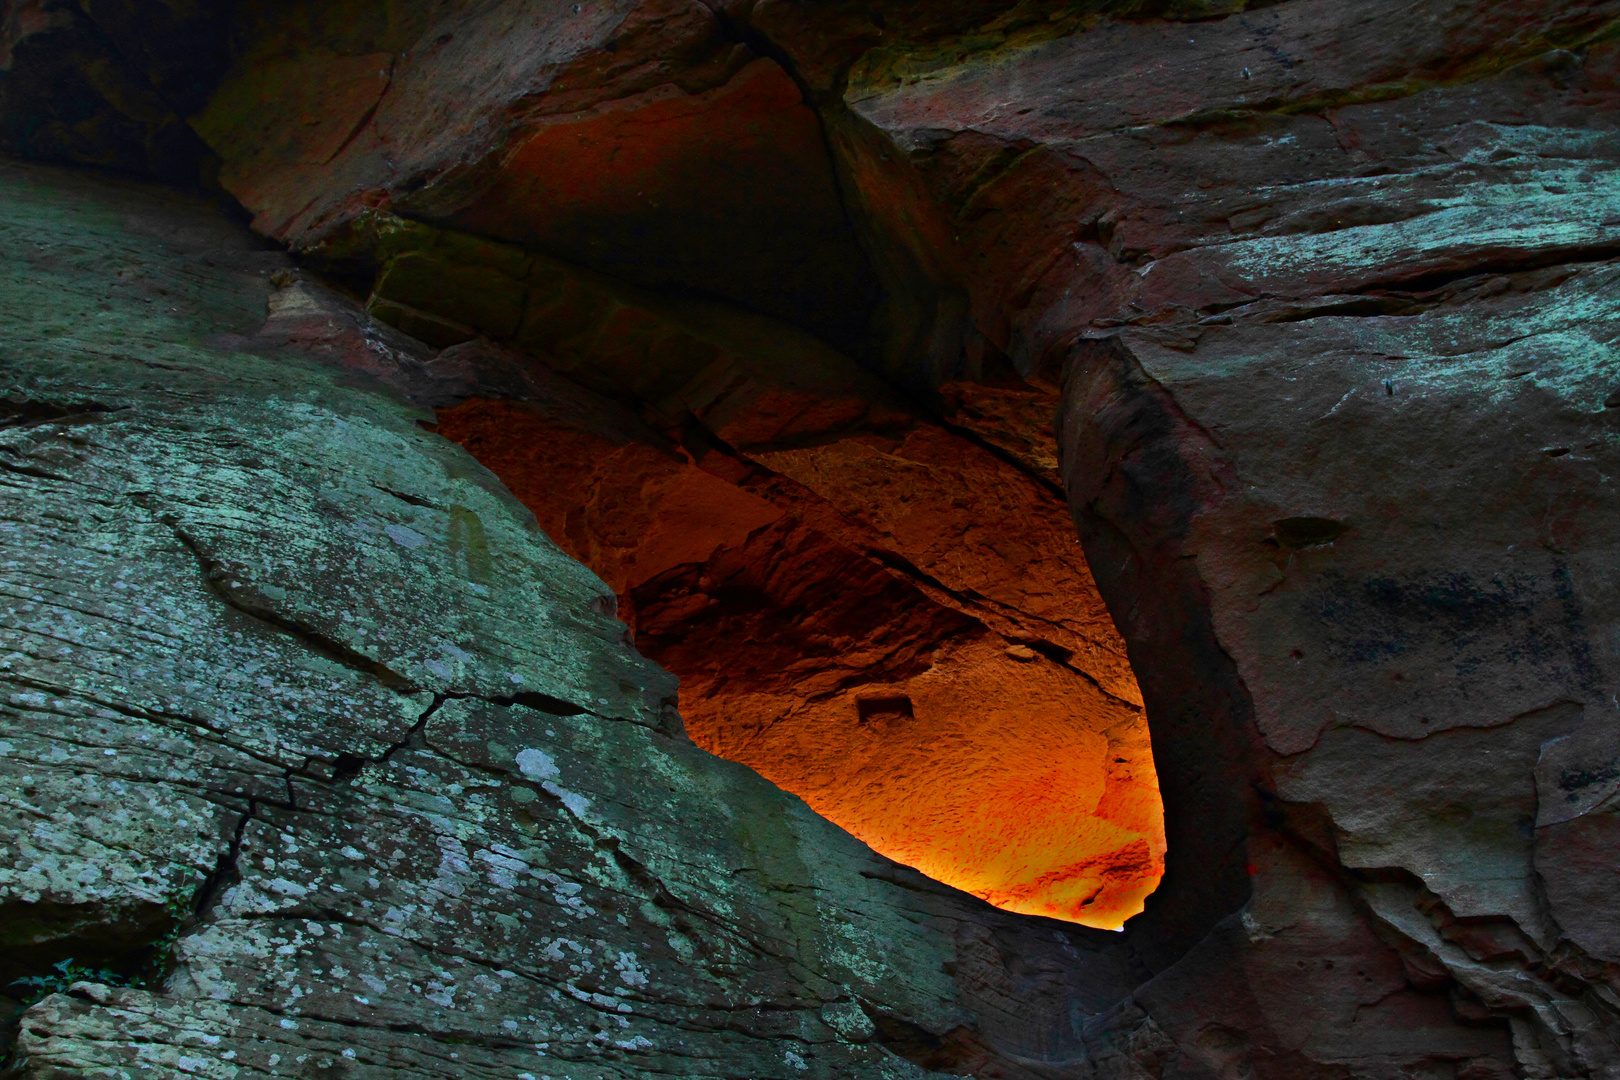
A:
[(909, 708), (875, 606), (766, 310)]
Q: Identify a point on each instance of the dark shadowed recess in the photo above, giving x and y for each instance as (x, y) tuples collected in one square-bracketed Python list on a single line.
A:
[(1204, 737), (729, 193), (109, 84)]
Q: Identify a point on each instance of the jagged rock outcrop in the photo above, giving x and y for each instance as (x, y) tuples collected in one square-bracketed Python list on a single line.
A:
[(1322, 296)]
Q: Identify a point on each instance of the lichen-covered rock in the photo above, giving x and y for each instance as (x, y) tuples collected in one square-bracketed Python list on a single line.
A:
[(321, 758), (1355, 446), (1399, 585)]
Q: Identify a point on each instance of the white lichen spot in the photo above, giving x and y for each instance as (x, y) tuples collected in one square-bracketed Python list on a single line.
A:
[(537, 765), (576, 803), (404, 537), (630, 972)]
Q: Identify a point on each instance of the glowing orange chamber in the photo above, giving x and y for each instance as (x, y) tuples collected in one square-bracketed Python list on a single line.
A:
[(994, 774), (846, 622)]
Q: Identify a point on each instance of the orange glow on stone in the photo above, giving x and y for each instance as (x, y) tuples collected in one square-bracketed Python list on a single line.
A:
[(983, 763), (996, 775)]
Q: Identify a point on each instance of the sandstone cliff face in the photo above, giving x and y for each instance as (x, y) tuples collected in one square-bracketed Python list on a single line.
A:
[(1322, 298)]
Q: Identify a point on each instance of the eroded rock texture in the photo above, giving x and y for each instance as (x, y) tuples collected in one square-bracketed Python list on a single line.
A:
[(889, 701), (1322, 296)]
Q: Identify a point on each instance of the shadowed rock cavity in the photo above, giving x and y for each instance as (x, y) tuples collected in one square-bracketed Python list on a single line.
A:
[(1323, 298), (844, 621), (796, 542)]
